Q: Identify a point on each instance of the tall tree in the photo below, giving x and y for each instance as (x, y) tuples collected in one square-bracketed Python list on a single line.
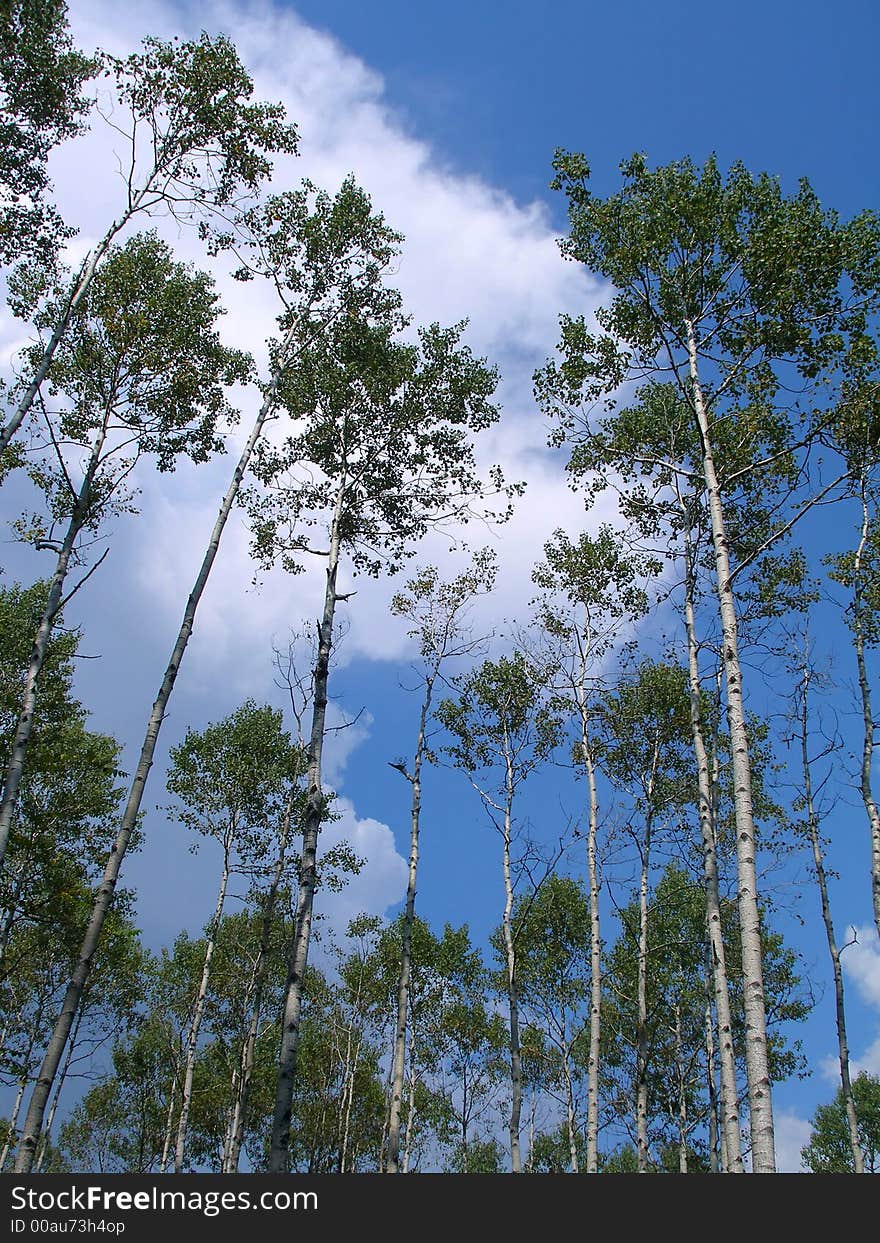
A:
[(727, 289), (323, 256), (808, 804), (383, 455), (436, 611), (231, 781), (553, 942), (501, 730), (591, 590), (646, 753)]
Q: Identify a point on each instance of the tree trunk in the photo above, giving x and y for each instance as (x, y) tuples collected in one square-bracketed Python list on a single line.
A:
[(867, 714), (642, 977), (15, 767), (47, 1132), (711, 1088), (682, 1099), (512, 992), (730, 1126), (104, 896), (280, 1143), (834, 953), (569, 1106), (399, 1059), (642, 1006), (595, 951), (196, 1022), (410, 1117), (757, 1067)]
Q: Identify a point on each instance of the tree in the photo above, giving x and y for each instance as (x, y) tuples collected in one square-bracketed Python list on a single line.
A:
[(501, 730), (830, 1148), (727, 289), (384, 455), (590, 590), (808, 803), (436, 612), (142, 372), (553, 939), (646, 735), (194, 146), (232, 781), (321, 255)]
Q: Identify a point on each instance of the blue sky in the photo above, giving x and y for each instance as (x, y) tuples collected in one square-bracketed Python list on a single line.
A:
[(449, 114)]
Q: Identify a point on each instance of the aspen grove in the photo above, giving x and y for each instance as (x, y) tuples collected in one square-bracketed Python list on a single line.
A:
[(616, 815)]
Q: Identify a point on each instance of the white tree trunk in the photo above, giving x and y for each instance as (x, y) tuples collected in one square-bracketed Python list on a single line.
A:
[(729, 1121), (757, 1066), (868, 799), (512, 991), (399, 1057)]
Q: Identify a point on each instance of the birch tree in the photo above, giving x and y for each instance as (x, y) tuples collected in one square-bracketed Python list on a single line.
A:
[(436, 611), (323, 255), (727, 289), (501, 731), (592, 593), (231, 782), (646, 731), (383, 455), (554, 931), (808, 803)]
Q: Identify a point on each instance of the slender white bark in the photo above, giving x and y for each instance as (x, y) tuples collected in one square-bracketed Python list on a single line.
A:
[(46, 1136), (104, 896), (78, 290), (729, 1102), (682, 1096), (595, 941), (399, 1057), (290, 1027), (711, 1086), (643, 1155), (512, 989), (569, 1106), (410, 1118), (756, 1053)]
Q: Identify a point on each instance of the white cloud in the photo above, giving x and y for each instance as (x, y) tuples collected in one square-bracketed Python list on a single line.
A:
[(792, 1133), (382, 880), (861, 962)]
